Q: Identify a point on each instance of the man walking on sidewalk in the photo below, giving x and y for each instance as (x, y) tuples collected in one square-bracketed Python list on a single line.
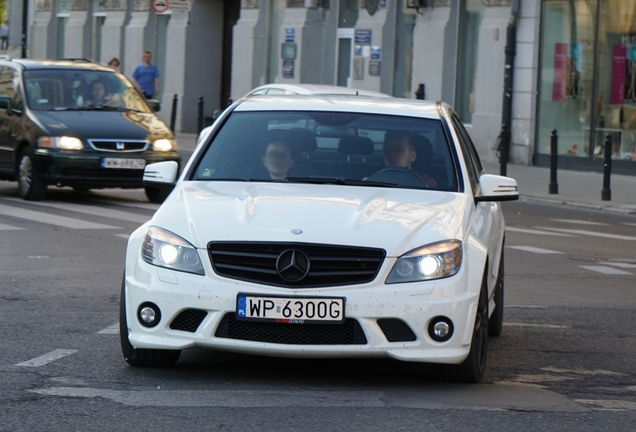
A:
[(4, 36), (146, 77)]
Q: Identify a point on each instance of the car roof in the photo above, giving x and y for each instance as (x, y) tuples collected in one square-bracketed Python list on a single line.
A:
[(340, 103), (83, 64), (320, 89)]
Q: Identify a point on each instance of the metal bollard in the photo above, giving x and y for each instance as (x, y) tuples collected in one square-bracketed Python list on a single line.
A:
[(554, 159), (200, 116), (173, 114), (606, 193), (420, 93)]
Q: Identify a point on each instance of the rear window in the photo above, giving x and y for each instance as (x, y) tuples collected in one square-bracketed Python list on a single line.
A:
[(330, 147)]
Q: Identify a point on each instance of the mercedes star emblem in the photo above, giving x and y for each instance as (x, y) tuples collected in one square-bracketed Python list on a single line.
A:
[(292, 265)]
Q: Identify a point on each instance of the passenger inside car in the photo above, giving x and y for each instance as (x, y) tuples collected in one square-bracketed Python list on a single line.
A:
[(400, 150)]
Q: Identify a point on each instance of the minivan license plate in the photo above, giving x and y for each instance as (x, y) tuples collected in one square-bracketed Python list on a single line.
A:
[(290, 310), (123, 163)]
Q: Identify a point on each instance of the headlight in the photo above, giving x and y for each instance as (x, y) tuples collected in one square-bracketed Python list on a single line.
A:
[(165, 249), (164, 145), (434, 261), (63, 142)]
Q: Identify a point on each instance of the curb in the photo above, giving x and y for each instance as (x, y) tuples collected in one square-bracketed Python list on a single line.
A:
[(626, 209)]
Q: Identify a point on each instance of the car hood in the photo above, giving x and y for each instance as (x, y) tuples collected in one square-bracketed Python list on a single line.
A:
[(103, 124), (396, 220)]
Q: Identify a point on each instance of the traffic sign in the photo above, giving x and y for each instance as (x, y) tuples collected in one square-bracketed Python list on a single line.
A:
[(160, 6)]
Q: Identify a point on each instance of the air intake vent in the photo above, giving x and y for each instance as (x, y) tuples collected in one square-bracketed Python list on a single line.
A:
[(326, 265), (396, 330), (347, 333), (188, 320)]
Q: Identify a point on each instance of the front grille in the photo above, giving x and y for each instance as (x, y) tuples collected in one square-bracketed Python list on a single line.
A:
[(347, 333), (329, 265), (188, 320), (396, 330), (113, 145)]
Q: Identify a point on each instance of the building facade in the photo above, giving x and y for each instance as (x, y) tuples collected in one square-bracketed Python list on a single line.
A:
[(574, 67)]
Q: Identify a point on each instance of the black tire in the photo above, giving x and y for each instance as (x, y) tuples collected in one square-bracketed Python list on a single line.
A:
[(30, 187), (157, 195), (138, 356), (495, 324), (472, 369)]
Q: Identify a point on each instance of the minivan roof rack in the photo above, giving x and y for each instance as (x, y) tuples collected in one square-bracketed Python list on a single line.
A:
[(79, 60)]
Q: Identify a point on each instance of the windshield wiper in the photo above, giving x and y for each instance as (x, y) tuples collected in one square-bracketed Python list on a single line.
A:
[(338, 181)]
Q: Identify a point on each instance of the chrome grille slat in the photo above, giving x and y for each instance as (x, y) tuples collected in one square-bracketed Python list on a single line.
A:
[(110, 145)]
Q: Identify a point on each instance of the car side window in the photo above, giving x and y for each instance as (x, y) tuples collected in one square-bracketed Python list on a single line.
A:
[(473, 173), (16, 96)]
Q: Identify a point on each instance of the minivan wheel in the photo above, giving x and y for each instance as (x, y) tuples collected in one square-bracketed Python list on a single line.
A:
[(138, 356), (31, 188), (157, 195)]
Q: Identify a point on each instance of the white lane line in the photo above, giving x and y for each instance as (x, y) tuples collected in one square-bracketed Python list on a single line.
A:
[(580, 222), (124, 236), (91, 210), (620, 264), (4, 227), (630, 224), (50, 219), (114, 329), (142, 205), (546, 326), (537, 232), (606, 270), (47, 358), (591, 233), (534, 249)]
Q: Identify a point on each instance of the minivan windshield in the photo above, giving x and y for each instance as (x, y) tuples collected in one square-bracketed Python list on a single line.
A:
[(330, 148), (73, 89)]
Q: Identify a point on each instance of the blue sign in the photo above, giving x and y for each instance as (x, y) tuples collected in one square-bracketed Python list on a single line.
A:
[(362, 37), (241, 306), (290, 34), (375, 53), (357, 50)]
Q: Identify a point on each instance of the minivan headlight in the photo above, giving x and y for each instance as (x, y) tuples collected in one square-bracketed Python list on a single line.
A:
[(165, 249), (164, 145), (433, 261), (63, 142)]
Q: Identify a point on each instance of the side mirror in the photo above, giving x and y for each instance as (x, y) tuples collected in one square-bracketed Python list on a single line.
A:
[(154, 104), (5, 103), (497, 188), (161, 174)]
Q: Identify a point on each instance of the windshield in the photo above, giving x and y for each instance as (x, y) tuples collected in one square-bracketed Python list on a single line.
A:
[(72, 89), (325, 147)]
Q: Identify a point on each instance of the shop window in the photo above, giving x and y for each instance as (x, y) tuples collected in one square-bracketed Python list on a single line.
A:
[(471, 15)]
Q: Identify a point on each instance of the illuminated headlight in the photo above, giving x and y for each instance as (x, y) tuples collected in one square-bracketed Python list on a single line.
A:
[(165, 249), (164, 145), (434, 261), (63, 142)]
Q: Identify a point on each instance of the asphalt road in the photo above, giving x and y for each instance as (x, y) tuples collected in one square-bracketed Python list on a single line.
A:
[(565, 360)]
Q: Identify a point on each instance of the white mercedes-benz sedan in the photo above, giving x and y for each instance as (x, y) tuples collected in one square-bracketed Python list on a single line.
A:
[(323, 226)]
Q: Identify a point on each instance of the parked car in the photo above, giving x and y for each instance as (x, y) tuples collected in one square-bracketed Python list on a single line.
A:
[(76, 123), (323, 226)]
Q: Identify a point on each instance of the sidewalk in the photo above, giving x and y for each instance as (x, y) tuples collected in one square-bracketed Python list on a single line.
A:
[(576, 188)]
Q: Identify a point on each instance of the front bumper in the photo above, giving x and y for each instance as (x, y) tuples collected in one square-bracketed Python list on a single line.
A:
[(83, 168), (416, 304)]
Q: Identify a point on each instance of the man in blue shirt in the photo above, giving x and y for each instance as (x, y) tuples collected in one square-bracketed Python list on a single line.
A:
[(146, 77)]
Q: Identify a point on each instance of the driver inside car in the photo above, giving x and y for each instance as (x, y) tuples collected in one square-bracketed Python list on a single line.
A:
[(399, 151)]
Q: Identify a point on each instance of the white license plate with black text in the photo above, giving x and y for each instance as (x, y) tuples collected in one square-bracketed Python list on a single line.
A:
[(123, 163), (290, 310)]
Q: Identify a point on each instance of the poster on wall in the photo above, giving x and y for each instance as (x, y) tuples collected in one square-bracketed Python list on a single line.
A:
[(619, 72), (567, 71)]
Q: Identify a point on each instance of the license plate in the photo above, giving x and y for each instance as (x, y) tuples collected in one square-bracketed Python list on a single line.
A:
[(123, 163), (290, 310)]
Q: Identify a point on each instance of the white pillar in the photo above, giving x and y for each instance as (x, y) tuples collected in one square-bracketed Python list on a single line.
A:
[(111, 35)]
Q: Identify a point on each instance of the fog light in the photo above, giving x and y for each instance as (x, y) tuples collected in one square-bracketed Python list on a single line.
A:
[(148, 314), (440, 329)]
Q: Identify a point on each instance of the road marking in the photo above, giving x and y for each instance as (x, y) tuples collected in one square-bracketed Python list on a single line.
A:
[(609, 405), (50, 219), (47, 358), (526, 307), (547, 326), (595, 372), (619, 264), (91, 210), (142, 205), (114, 329), (534, 249), (537, 232), (591, 233), (124, 236), (630, 224), (38, 256), (4, 227), (606, 270), (580, 222)]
